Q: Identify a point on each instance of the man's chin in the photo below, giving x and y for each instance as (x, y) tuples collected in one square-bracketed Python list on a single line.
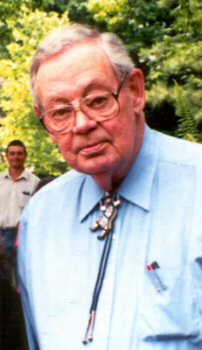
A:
[(94, 165), (17, 166), (94, 168)]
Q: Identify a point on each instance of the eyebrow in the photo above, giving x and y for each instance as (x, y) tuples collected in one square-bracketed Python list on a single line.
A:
[(15, 152), (97, 82)]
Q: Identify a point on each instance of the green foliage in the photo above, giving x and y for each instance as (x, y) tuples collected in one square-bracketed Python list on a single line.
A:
[(7, 10), (188, 128), (18, 119), (177, 58), (59, 6), (164, 39), (140, 23), (11, 9)]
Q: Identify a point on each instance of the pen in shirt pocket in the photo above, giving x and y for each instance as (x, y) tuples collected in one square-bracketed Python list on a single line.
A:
[(26, 193), (154, 276)]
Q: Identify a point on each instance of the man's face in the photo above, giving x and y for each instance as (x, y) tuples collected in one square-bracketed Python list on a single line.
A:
[(90, 147), (16, 157)]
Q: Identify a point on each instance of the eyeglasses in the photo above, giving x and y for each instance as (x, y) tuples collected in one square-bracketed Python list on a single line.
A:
[(99, 106)]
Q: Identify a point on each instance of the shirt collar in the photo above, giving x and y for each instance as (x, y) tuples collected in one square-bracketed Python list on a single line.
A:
[(24, 175), (136, 186), (91, 195)]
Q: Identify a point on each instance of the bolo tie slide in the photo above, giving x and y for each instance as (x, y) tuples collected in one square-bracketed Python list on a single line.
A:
[(108, 205)]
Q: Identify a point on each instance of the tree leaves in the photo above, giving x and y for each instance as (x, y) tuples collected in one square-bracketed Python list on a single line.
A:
[(19, 121)]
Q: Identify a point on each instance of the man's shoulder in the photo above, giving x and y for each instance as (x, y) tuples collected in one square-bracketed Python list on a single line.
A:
[(30, 175), (72, 179), (3, 175), (55, 192), (173, 149)]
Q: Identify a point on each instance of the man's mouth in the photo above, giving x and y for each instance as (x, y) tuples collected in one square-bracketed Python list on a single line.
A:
[(92, 149)]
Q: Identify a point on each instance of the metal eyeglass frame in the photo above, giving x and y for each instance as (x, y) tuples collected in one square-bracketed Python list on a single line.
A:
[(114, 94)]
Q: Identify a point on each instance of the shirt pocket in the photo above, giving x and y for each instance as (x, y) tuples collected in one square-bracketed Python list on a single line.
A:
[(171, 313), (24, 197)]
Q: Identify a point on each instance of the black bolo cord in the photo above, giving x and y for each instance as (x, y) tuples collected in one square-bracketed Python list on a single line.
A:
[(108, 205), (98, 287)]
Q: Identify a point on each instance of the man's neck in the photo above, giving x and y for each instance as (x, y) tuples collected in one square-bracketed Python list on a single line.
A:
[(15, 172), (105, 182), (109, 181)]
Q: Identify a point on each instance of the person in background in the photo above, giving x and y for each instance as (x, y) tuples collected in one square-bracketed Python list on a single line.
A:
[(12, 327), (110, 253), (16, 187)]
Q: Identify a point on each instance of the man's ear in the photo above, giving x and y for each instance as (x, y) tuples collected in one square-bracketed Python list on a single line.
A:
[(36, 109), (53, 137), (136, 86)]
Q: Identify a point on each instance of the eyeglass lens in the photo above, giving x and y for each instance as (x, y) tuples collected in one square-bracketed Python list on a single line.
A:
[(100, 107)]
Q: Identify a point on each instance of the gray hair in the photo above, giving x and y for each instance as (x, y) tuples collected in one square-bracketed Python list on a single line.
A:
[(73, 34)]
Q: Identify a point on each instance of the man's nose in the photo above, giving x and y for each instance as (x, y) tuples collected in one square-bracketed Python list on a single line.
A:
[(83, 123)]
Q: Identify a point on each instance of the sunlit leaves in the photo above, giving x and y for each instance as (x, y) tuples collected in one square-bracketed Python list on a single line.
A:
[(18, 119)]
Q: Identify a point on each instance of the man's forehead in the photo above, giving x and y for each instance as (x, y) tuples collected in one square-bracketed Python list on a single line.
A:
[(78, 58), (91, 85), (16, 149), (74, 70)]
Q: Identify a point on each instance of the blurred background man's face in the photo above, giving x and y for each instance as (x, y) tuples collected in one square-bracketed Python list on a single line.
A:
[(16, 157)]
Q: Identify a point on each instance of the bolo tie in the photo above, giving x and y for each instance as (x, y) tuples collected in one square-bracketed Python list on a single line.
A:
[(108, 205)]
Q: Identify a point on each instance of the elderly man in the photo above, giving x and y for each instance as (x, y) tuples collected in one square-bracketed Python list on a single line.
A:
[(16, 186), (138, 286)]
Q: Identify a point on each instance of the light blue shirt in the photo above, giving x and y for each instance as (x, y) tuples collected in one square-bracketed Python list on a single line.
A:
[(159, 219)]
